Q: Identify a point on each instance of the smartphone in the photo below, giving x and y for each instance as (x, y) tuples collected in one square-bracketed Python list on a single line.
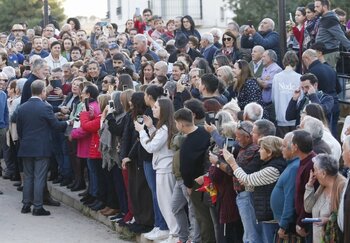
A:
[(250, 23), (137, 12), (210, 117), (291, 17), (86, 101), (103, 23), (311, 220), (166, 92), (111, 104), (56, 83), (229, 143), (139, 119), (27, 68)]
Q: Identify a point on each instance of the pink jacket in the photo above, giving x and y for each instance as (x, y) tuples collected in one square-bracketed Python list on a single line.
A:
[(83, 137)]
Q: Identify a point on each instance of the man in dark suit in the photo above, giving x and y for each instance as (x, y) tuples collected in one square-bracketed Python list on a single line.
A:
[(34, 124), (39, 70)]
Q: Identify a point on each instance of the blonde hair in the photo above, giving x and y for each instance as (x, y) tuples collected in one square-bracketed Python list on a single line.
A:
[(125, 99), (272, 144), (103, 101)]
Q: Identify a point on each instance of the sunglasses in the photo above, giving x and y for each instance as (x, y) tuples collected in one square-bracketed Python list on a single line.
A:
[(227, 39), (240, 127)]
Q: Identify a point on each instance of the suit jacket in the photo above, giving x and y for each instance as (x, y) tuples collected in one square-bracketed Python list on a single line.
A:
[(35, 123), (258, 72), (209, 53)]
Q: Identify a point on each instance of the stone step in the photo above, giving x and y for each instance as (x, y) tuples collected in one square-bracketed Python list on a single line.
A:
[(72, 199)]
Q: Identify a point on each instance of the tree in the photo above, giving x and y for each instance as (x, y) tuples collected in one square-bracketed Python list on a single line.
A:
[(256, 10), (29, 11)]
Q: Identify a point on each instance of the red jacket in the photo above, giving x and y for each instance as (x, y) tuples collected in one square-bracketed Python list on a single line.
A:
[(92, 125)]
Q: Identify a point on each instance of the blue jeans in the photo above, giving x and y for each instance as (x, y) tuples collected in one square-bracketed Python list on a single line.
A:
[(61, 153), (150, 175), (94, 171), (246, 210), (267, 231)]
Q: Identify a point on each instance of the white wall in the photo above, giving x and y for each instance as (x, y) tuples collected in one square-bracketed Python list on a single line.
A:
[(211, 11)]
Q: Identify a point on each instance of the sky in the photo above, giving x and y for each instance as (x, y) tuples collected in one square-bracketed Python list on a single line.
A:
[(73, 8)]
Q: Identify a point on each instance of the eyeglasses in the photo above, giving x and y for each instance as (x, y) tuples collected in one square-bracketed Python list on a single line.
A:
[(227, 39), (240, 127), (106, 82)]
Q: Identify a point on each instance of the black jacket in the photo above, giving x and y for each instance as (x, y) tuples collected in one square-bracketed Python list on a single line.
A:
[(294, 107), (262, 194)]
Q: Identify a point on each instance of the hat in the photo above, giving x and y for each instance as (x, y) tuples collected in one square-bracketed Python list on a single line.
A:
[(17, 27), (180, 40), (113, 46)]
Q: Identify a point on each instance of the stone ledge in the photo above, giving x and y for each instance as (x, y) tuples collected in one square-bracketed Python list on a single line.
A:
[(72, 200)]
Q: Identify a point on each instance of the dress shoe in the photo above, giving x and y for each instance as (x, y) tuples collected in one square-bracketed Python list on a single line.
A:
[(89, 201), (78, 187), (104, 209), (25, 209), (15, 178), (51, 202), (65, 182), (100, 205), (17, 184), (58, 180), (85, 198), (41, 212), (110, 212), (83, 194), (7, 176), (20, 188), (71, 185)]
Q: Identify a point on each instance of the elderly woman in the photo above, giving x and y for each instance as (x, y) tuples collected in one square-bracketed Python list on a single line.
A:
[(263, 180), (324, 203)]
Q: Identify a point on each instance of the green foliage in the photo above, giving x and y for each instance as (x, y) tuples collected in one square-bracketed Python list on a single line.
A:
[(29, 11), (256, 10)]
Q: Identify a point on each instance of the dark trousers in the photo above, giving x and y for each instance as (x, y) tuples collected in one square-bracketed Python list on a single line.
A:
[(109, 195), (120, 189), (35, 173)]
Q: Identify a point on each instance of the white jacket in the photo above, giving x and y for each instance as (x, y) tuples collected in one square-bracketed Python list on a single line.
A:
[(55, 64), (162, 155)]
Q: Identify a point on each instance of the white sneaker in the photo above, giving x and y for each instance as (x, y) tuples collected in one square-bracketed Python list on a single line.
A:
[(158, 235), (151, 233), (171, 239)]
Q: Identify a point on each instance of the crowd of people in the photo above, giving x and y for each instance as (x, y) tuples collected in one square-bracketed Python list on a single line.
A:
[(181, 135)]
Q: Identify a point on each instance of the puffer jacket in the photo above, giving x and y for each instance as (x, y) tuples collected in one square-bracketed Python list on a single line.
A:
[(92, 125)]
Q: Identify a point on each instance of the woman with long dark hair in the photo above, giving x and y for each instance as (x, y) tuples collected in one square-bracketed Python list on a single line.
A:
[(229, 47), (158, 143), (188, 27), (133, 155)]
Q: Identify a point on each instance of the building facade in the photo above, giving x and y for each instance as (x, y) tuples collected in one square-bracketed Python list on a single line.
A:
[(206, 13)]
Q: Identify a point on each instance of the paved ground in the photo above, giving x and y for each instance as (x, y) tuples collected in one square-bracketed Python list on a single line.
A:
[(64, 225)]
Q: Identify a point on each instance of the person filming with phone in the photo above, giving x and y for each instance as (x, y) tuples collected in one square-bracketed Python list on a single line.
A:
[(308, 93)]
